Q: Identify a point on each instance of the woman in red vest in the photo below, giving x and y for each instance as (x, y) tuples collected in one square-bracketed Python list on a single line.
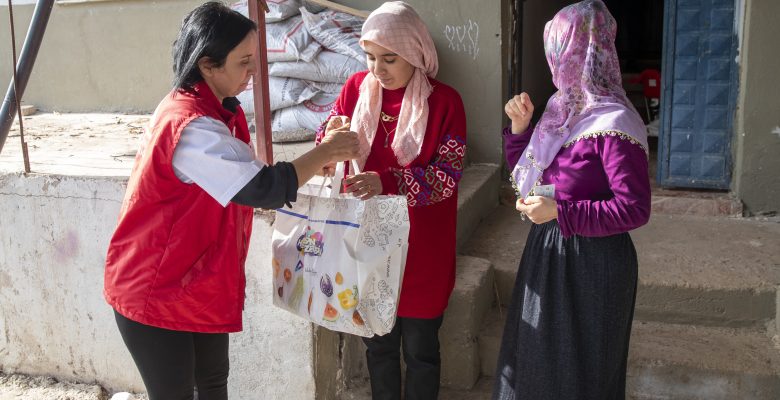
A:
[(412, 132), (175, 264)]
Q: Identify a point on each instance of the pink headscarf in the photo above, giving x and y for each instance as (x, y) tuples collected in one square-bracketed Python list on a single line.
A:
[(397, 27), (580, 46)]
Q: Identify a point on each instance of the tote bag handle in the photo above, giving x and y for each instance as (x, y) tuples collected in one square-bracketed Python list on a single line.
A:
[(338, 177)]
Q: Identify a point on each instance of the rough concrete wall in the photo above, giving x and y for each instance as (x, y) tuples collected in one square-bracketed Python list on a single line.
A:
[(104, 56), (467, 34), (128, 69), (274, 357), (757, 166), (54, 321)]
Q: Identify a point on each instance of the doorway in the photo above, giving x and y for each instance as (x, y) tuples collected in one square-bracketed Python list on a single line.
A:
[(640, 43)]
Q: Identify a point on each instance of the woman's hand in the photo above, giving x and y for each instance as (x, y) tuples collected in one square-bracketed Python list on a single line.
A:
[(341, 145), (538, 209), (329, 169), (338, 144), (337, 122), (364, 186), (520, 110)]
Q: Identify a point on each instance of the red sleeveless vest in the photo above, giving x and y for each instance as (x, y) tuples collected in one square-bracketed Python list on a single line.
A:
[(176, 259)]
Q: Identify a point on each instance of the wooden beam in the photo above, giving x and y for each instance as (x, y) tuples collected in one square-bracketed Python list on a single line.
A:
[(342, 8), (260, 89)]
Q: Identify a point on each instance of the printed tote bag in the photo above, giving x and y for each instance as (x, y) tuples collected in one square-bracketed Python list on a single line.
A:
[(339, 261)]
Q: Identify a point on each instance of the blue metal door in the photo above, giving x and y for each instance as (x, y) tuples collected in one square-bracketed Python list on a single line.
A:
[(699, 94)]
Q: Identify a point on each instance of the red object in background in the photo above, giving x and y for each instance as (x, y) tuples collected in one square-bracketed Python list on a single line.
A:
[(651, 83)]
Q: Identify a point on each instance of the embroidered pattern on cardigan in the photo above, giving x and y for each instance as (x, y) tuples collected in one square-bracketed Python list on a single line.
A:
[(438, 181)]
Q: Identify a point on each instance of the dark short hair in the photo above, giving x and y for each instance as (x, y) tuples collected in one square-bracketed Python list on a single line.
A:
[(212, 30)]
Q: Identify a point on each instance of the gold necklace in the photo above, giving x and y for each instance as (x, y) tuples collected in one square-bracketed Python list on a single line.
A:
[(388, 118), (387, 133)]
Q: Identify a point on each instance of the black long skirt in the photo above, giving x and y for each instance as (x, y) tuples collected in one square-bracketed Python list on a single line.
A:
[(569, 321)]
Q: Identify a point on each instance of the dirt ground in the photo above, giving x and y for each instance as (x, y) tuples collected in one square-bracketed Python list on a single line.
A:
[(75, 144), (16, 386), (47, 388)]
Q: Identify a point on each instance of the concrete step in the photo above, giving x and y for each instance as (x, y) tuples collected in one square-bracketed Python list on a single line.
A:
[(481, 391), (700, 270), (490, 341), (500, 238), (471, 300), (700, 203), (708, 271), (685, 362), (477, 196), (669, 361)]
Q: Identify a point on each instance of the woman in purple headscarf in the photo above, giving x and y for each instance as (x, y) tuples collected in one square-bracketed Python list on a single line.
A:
[(581, 176)]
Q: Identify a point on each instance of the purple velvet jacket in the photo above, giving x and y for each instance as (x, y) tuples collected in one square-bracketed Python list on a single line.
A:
[(602, 184)]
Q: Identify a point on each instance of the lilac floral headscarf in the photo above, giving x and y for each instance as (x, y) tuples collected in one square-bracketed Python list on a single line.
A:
[(580, 46)]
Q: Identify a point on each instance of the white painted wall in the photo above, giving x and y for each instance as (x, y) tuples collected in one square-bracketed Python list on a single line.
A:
[(54, 231)]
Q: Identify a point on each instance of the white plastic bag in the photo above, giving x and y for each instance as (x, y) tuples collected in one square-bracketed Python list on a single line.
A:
[(327, 66), (339, 262), (328, 87), (336, 31), (279, 10), (289, 40), (297, 123), (282, 92), (286, 38)]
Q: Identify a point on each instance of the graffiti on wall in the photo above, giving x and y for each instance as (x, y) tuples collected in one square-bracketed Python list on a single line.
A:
[(463, 38)]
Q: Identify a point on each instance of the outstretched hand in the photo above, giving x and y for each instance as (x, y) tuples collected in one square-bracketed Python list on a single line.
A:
[(342, 143)]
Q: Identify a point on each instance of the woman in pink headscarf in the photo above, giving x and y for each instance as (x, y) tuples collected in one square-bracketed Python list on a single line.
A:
[(582, 178), (412, 131)]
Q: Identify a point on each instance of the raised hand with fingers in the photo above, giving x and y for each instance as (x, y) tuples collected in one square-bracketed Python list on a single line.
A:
[(519, 109)]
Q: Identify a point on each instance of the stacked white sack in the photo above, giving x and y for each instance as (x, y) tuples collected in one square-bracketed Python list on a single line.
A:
[(310, 57)]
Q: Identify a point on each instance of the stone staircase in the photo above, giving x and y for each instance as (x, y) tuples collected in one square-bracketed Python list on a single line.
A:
[(706, 305), (706, 312)]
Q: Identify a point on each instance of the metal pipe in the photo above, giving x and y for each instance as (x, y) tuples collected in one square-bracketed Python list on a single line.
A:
[(32, 43)]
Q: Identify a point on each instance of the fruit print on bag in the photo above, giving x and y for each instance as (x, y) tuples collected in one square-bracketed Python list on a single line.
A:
[(326, 286), (297, 294), (330, 314), (357, 319), (348, 298)]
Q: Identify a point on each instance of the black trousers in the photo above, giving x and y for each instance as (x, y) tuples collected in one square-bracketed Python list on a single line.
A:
[(173, 363), (420, 341)]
